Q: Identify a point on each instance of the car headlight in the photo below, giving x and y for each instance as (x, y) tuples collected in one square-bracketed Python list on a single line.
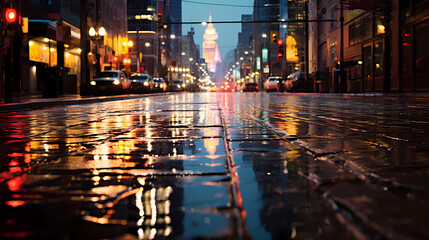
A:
[(116, 82), (183, 85), (146, 84), (93, 83)]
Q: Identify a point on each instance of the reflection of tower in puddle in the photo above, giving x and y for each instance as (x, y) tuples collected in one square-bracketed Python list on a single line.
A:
[(210, 142)]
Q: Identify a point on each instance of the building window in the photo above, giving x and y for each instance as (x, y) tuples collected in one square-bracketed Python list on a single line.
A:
[(404, 9), (321, 24), (422, 48), (367, 56), (333, 16), (378, 59), (360, 31), (420, 6)]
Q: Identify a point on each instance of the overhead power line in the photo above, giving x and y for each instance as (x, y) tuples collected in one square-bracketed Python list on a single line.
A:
[(217, 4), (275, 21), (231, 5)]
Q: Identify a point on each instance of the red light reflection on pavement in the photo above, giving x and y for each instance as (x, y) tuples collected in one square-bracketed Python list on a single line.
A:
[(15, 203)]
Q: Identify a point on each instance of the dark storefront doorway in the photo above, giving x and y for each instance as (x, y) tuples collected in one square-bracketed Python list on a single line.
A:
[(422, 57)]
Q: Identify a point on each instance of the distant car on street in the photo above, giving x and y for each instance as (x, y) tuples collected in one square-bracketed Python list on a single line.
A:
[(271, 84), (251, 87), (110, 82), (160, 85), (297, 82), (177, 86), (141, 82)]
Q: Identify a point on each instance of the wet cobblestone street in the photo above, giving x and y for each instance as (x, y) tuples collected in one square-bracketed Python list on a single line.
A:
[(217, 166)]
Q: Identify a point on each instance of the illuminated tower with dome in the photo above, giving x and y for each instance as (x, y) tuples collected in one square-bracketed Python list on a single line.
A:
[(210, 47)]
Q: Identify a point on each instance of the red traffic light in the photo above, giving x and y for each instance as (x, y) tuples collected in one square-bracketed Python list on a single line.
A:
[(280, 42), (10, 15)]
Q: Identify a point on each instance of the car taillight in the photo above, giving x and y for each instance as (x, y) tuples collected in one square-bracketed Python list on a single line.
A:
[(257, 88)]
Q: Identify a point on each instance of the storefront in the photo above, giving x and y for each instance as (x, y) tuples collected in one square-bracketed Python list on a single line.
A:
[(43, 56), (414, 48)]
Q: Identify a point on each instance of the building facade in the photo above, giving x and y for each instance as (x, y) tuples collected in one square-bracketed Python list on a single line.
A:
[(383, 45), (413, 32), (52, 46)]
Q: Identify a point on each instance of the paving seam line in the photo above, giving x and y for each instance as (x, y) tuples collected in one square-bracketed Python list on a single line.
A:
[(234, 177)]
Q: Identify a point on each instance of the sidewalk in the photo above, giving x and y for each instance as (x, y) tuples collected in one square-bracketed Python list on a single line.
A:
[(38, 102)]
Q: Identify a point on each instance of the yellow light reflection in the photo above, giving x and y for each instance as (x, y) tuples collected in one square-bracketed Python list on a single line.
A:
[(211, 143)]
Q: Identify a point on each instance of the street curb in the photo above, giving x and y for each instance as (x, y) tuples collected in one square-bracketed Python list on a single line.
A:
[(18, 107)]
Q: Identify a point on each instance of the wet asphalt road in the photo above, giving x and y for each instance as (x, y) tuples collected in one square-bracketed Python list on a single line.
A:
[(218, 166)]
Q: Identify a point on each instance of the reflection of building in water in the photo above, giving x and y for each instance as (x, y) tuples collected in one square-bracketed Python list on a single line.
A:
[(210, 47), (154, 205)]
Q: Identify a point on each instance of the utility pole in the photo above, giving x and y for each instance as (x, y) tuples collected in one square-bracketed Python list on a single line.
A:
[(307, 67), (342, 82), (84, 74), (11, 35), (386, 20), (160, 26)]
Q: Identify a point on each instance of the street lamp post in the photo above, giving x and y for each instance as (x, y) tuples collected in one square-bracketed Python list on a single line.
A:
[(97, 36)]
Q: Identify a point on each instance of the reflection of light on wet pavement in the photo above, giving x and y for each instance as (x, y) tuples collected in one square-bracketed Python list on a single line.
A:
[(154, 210), (211, 143)]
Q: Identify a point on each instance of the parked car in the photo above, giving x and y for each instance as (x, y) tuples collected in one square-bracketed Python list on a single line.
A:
[(141, 82), (297, 82), (271, 84), (251, 87), (160, 85), (110, 82), (177, 86)]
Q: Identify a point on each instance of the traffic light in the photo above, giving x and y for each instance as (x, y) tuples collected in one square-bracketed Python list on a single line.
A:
[(159, 23), (10, 21), (280, 49), (274, 37)]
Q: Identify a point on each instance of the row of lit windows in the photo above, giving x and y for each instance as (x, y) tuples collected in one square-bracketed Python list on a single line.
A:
[(141, 17)]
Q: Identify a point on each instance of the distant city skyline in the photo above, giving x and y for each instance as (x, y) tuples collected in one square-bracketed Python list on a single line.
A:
[(222, 10)]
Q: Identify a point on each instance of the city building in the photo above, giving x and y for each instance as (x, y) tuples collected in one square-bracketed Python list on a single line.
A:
[(265, 31), (190, 56), (293, 33), (244, 50), (383, 45), (49, 58), (174, 14), (143, 33)]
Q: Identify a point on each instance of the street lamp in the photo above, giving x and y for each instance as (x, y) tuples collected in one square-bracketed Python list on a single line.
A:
[(97, 36), (130, 44)]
